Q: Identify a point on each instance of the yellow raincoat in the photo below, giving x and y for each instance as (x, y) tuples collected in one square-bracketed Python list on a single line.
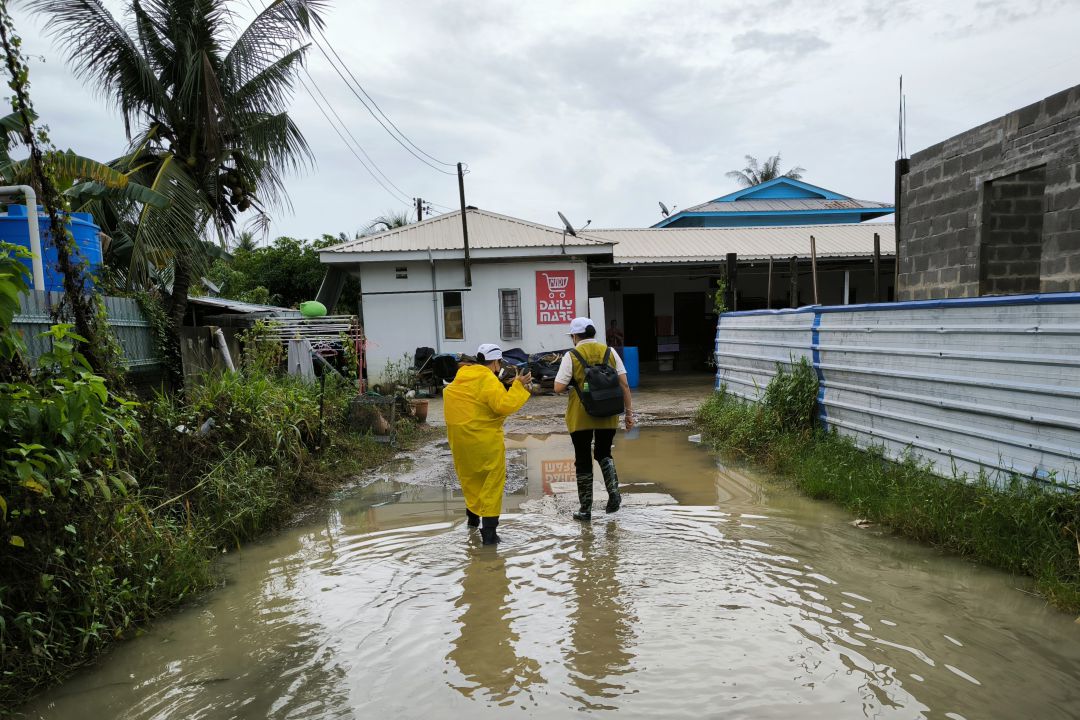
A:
[(476, 405)]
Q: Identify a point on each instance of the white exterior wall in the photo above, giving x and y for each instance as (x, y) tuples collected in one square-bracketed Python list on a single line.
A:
[(396, 325)]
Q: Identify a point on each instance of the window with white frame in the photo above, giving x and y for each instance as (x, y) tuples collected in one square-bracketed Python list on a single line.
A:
[(510, 314)]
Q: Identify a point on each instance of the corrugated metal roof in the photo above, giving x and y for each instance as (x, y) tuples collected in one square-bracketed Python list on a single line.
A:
[(786, 205), (639, 246), (487, 230), (241, 307)]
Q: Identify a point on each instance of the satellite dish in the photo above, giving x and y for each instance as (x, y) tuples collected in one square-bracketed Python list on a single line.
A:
[(566, 224), (664, 210)]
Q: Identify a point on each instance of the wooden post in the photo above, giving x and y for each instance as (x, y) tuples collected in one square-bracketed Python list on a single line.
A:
[(768, 295), (813, 266), (731, 268), (877, 268), (793, 282), (464, 226), (419, 209)]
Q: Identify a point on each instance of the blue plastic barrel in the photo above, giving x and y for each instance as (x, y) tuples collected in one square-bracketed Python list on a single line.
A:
[(15, 230), (630, 360)]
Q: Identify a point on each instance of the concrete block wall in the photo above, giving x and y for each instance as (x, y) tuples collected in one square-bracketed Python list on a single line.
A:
[(954, 240), (1011, 246)]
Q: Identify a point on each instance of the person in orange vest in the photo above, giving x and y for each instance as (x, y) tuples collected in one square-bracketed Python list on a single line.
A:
[(591, 434), (476, 404)]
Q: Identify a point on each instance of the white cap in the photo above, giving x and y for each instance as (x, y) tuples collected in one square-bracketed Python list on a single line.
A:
[(578, 325), (490, 352)]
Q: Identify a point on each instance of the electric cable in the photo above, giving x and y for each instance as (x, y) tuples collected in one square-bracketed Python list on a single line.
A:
[(374, 115), (341, 122), (350, 148), (368, 96)]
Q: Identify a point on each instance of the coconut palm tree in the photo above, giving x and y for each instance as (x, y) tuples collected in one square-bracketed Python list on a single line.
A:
[(204, 104), (388, 221), (756, 173)]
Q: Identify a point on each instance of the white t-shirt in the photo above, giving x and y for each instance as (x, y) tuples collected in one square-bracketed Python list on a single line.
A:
[(566, 367)]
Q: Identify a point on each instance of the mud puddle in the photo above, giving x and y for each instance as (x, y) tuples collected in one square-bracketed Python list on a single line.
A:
[(740, 599)]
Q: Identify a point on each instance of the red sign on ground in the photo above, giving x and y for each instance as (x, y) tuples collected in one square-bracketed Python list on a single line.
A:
[(557, 471), (555, 299)]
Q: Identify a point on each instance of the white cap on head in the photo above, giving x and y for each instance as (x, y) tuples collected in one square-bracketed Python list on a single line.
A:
[(490, 352), (578, 325)]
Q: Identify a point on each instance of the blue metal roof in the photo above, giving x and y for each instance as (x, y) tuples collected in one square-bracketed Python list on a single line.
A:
[(789, 201)]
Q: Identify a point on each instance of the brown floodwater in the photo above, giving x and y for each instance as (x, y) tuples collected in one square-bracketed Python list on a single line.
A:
[(742, 600)]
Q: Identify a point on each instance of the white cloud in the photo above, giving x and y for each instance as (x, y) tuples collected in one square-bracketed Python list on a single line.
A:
[(600, 109)]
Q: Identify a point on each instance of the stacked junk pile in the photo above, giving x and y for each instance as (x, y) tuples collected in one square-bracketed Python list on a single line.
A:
[(432, 370)]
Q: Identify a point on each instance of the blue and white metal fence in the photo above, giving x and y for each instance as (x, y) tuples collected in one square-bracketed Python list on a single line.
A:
[(125, 317), (980, 384)]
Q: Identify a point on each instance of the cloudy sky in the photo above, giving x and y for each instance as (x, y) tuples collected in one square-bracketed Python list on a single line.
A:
[(601, 108)]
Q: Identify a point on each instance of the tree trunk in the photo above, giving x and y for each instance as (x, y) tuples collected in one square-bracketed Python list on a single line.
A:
[(178, 304)]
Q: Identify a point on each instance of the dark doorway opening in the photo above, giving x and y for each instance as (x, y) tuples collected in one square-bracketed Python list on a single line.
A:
[(695, 330), (639, 318)]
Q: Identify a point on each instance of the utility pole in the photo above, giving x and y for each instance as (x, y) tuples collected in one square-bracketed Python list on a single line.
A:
[(419, 209), (464, 225)]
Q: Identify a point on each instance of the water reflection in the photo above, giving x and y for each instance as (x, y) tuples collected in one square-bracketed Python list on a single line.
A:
[(601, 628), (741, 600), (485, 649)]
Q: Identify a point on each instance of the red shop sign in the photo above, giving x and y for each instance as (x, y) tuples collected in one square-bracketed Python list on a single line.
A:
[(555, 299)]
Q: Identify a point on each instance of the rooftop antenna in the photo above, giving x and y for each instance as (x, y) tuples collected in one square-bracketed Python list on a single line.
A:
[(567, 228), (903, 166), (664, 210)]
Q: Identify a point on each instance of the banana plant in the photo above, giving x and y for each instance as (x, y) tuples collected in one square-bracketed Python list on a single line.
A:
[(85, 180)]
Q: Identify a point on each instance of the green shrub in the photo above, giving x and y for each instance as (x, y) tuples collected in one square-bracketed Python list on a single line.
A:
[(111, 511), (1019, 526)]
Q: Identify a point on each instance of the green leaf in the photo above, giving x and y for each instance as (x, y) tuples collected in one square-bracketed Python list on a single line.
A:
[(17, 541), (35, 486), (3, 508), (70, 529)]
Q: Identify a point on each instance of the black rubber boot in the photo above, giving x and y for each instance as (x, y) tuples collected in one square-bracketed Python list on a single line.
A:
[(584, 493), (472, 519), (487, 530), (611, 483)]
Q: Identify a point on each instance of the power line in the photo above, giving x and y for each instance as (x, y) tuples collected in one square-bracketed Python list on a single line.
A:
[(368, 96), (350, 148), (379, 120), (341, 122)]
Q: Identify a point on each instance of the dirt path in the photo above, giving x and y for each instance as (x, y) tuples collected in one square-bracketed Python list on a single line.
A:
[(660, 400)]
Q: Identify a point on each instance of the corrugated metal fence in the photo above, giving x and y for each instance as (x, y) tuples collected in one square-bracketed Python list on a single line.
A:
[(971, 384), (126, 319)]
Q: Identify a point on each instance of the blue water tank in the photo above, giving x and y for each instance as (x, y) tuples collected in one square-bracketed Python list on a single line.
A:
[(15, 230), (633, 366)]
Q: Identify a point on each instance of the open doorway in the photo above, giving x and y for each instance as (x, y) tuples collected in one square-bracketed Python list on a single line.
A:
[(639, 321), (696, 329)]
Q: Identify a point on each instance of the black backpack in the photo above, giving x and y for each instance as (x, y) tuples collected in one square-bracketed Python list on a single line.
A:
[(601, 393)]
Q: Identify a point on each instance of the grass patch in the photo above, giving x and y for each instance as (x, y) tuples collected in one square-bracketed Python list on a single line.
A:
[(1019, 526), (206, 471)]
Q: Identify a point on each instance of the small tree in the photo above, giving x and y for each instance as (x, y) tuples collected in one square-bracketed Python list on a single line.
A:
[(756, 173)]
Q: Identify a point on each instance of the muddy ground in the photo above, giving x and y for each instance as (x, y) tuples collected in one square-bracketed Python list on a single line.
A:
[(660, 400)]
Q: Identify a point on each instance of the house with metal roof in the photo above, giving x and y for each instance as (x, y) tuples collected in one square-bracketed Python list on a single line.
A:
[(518, 283), (781, 201), (515, 282)]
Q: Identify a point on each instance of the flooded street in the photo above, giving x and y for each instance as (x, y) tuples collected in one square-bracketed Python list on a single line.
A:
[(740, 600)]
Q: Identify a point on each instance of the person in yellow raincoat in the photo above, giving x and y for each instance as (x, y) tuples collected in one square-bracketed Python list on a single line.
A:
[(476, 404)]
